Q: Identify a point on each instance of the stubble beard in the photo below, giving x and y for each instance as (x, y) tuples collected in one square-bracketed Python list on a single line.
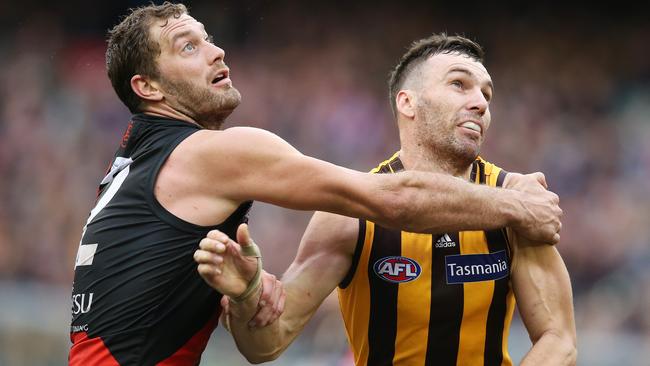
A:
[(452, 153), (207, 108)]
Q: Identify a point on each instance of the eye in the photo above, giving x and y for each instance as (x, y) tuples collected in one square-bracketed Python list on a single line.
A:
[(487, 96), (457, 83), (189, 47), (209, 39)]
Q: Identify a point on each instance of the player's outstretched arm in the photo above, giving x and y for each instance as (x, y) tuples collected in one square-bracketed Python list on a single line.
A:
[(543, 292), (242, 163), (323, 259)]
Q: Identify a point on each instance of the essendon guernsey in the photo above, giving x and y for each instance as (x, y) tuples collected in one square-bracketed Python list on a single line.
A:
[(137, 298)]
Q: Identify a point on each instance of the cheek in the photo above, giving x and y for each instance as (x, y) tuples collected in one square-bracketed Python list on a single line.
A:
[(180, 69), (487, 120)]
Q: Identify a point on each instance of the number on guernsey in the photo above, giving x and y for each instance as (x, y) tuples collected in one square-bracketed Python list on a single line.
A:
[(115, 177)]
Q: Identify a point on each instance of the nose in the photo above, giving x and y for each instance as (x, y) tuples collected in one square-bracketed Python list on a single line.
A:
[(478, 103), (216, 54)]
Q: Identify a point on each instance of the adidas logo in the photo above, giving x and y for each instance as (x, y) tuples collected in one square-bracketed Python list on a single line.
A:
[(445, 242)]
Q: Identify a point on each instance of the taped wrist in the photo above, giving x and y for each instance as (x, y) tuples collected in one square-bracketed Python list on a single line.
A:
[(251, 250)]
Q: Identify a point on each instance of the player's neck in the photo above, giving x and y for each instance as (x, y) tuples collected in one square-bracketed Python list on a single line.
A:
[(164, 110), (428, 161)]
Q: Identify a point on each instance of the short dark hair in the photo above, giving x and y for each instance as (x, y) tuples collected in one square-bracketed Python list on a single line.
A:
[(131, 51), (421, 50)]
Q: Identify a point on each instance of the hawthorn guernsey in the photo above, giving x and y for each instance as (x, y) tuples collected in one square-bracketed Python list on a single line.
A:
[(425, 299)]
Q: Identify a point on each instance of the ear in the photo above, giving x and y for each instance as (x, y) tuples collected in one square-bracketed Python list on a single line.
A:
[(146, 89), (405, 102)]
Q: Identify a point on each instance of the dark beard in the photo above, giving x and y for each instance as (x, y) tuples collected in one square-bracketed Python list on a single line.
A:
[(206, 108)]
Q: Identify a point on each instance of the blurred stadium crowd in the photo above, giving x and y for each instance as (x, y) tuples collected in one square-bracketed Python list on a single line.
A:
[(572, 99)]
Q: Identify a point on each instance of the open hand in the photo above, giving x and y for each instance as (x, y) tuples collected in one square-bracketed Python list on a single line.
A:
[(223, 267), (221, 263)]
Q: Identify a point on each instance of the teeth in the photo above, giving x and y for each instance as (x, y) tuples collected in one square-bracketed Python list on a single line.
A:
[(471, 126)]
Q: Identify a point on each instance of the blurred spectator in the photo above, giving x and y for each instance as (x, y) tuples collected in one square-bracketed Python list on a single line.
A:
[(572, 99)]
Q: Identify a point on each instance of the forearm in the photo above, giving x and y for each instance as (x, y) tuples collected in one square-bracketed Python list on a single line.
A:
[(323, 259), (440, 203), (264, 344), (256, 344), (542, 288), (551, 349)]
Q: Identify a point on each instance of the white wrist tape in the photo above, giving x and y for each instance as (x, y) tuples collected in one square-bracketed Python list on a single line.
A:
[(251, 250)]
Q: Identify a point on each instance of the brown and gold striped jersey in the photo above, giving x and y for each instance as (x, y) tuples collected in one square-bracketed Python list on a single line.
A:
[(422, 299)]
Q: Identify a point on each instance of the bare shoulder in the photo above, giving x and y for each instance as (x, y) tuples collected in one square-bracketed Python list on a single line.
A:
[(251, 138), (199, 180), (253, 133), (208, 149), (243, 138)]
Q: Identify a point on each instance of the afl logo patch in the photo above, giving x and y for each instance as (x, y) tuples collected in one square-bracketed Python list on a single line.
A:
[(397, 269)]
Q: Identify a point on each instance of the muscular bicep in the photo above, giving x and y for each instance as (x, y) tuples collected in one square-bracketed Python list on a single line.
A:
[(323, 260), (261, 166), (542, 289)]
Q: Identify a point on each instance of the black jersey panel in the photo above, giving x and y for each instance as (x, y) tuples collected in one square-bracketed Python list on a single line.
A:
[(136, 286)]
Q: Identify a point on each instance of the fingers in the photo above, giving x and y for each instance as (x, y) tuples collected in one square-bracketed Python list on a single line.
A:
[(556, 236), (261, 319), (225, 304), (225, 312), (539, 176), (216, 244), (529, 183), (271, 302), (210, 255), (207, 257), (554, 198), (511, 179), (268, 282), (283, 297), (217, 235), (270, 312), (556, 239), (551, 233), (209, 263), (208, 270), (278, 304)]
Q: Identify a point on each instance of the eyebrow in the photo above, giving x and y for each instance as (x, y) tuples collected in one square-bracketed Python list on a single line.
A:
[(185, 33), (470, 74), (177, 36)]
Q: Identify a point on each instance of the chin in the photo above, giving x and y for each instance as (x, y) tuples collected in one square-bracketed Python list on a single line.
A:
[(468, 153), (473, 154), (231, 99)]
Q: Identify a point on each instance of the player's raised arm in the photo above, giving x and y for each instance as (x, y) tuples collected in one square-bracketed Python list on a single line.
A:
[(242, 164)]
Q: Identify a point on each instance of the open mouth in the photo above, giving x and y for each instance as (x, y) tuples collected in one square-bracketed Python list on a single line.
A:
[(221, 76)]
